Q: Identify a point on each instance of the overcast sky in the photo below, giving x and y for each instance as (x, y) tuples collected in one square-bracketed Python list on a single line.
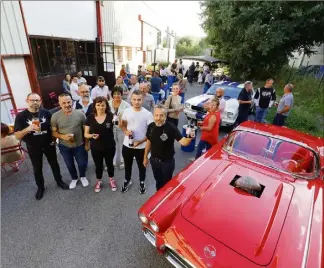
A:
[(181, 16)]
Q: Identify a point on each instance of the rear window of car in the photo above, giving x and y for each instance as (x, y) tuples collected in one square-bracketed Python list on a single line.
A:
[(273, 152)]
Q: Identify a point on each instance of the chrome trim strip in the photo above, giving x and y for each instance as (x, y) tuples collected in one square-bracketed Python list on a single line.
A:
[(305, 257), (150, 237), (284, 139), (167, 246), (274, 136)]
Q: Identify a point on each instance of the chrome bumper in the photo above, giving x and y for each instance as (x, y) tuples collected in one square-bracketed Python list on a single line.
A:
[(170, 254)]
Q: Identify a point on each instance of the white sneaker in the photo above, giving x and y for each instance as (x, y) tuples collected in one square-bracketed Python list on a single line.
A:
[(73, 184), (84, 181)]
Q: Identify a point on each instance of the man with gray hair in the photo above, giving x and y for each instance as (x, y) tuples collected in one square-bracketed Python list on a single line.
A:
[(284, 106), (148, 99), (245, 101), (160, 142), (134, 85), (85, 104)]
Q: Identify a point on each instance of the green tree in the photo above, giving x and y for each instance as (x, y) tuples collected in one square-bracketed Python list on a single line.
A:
[(186, 46), (258, 37)]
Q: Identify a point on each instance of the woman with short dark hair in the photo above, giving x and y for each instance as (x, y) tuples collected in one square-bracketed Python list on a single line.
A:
[(99, 129)]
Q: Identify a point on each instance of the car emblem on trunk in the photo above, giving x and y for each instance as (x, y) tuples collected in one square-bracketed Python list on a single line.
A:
[(210, 252)]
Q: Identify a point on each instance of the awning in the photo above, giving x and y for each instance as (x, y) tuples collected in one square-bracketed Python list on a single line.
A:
[(204, 58)]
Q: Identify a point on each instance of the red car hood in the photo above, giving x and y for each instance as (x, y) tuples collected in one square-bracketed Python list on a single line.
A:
[(247, 224)]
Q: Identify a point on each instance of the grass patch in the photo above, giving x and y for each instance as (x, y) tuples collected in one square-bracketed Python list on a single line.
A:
[(307, 114)]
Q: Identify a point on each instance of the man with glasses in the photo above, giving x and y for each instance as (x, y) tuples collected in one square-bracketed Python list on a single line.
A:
[(101, 89), (34, 128), (85, 104)]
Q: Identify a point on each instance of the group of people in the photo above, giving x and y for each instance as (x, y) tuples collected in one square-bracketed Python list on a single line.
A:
[(263, 99), (118, 127), (113, 129)]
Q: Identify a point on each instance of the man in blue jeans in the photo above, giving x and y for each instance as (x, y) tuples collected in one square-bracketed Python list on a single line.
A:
[(67, 126), (160, 142), (264, 99), (284, 106)]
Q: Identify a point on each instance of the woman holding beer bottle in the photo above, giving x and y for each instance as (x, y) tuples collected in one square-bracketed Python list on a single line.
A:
[(99, 129), (209, 128), (173, 105), (118, 106)]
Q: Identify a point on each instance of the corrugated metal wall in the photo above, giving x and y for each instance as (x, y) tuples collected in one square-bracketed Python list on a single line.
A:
[(120, 23), (67, 19), (13, 36)]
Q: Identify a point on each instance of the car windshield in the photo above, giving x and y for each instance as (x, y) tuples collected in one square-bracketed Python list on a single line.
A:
[(273, 152), (229, 92)]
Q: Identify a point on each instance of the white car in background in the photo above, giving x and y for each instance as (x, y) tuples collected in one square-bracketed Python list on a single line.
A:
[(194, 107)]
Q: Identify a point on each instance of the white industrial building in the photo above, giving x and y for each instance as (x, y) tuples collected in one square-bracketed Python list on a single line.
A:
[(43, 40), (300, 59)]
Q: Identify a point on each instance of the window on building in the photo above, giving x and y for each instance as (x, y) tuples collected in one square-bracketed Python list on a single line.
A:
[(129, 53), (86, 55), (54, 56), (119, 54)]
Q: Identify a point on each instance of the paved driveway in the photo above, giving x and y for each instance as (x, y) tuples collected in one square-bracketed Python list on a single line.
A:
[(77, 228)]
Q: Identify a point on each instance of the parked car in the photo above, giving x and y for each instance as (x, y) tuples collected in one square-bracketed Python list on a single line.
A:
[(253, 200), (194, 107), (312, 70)]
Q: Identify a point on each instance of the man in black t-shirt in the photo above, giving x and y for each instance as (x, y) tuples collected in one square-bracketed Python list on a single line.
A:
[(34, 128), (160, 141), (245, 101), (264, 99)]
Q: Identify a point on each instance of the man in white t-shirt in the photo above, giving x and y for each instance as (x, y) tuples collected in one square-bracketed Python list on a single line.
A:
[(74, 89), (135, 121)]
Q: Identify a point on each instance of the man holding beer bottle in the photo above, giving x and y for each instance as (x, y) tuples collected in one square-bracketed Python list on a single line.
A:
[(160, 142), (34, 128), (68, 126), (135, 121)]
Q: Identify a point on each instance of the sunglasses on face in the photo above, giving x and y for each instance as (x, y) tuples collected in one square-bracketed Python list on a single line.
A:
[(101, 80)]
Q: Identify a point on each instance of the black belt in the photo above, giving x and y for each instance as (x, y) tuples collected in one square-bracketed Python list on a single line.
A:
[(159, 160)]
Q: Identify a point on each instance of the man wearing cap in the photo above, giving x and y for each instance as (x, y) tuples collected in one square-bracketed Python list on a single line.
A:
[(245, 101), (284, 106), (101, 89)]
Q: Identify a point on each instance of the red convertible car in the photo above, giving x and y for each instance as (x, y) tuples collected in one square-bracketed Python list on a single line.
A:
[(254, 200)]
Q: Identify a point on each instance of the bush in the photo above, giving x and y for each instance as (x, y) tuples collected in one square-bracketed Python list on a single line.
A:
[(307, 114)]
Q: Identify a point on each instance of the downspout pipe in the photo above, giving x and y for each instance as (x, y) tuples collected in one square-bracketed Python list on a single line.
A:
[(142, 36), (99, 24)]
